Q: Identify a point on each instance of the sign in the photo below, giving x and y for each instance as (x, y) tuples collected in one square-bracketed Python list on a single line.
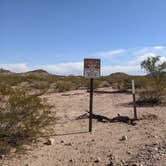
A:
[(92, 68)]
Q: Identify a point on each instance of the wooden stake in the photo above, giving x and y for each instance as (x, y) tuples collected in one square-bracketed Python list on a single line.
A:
[(134, 101)]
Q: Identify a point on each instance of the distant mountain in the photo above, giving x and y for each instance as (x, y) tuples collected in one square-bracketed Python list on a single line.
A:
[(3, 71), (37, 72), (119, 74)]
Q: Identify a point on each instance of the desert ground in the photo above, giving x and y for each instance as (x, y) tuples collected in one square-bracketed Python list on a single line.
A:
[(142, 144)]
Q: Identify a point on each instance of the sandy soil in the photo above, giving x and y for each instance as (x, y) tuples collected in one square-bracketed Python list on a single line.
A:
[(145, 142)]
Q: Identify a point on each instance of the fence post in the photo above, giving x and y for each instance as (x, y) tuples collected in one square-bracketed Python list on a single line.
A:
[(134, 101)]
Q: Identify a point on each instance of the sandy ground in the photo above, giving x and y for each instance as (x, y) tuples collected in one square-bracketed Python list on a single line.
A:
[(145, 142)]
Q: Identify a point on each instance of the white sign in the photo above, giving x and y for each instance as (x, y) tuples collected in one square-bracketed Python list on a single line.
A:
[(92, 68)]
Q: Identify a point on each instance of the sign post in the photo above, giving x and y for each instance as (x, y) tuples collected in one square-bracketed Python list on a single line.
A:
[(134, 102), (91, 70), (91, 105)]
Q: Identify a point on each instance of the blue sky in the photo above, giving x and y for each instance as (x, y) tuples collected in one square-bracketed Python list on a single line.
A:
[(57, 35)]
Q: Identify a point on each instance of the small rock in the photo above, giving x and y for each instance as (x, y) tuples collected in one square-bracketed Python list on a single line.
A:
[(50, 141), (111, 157), (123, 162), (13, 150), (156, 148), (62, 141), (111, 163), (93, 140), (27, 147), (68, 144), (2, 156), (97, 160), (128, 152), (135, 164), (124, 138), (34, 141), (70, 160)]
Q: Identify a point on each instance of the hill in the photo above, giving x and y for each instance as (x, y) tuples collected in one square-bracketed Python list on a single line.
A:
[(3, 71), (119, 74)]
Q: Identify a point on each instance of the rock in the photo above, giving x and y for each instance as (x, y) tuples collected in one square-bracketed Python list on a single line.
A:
[(2, 156), (97, 160), (71, 160), (13, 150), (50, 141), (124, 138), (156, 148), (68, 144), (128, 152), (111, 163), (33, 141), (62, 141), (135, 164), (123, 162), (111, 157), (27, 147)]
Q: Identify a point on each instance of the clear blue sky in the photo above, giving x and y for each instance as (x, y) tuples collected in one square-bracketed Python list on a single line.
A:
[(51, 32)]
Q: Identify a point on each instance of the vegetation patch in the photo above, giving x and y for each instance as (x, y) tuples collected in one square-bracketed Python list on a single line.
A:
[(22, 117)]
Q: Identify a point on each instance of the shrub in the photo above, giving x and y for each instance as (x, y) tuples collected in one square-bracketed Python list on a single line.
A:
[(96, 84), (21, 119), (5, 89), (150, 97), (63, 86), (154, 88), (121, 82)]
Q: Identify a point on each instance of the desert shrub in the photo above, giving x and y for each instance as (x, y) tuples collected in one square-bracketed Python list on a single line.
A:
[(121, 83), (63, 86), (78, 82), (21, 119), (149, 97), (96, 84), (149, 93), (154, 87), (104, 84), (125, 84)]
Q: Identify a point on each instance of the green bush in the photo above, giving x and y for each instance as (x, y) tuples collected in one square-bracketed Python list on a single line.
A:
[(154, 87), (63, 86), (5, 89), (21, 119), (96, 84)]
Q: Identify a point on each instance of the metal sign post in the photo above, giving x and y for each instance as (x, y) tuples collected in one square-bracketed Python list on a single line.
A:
[(91, 70), (134, 102), (91, 105)]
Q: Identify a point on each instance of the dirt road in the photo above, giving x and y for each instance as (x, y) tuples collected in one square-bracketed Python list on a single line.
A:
[(108, 144)]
